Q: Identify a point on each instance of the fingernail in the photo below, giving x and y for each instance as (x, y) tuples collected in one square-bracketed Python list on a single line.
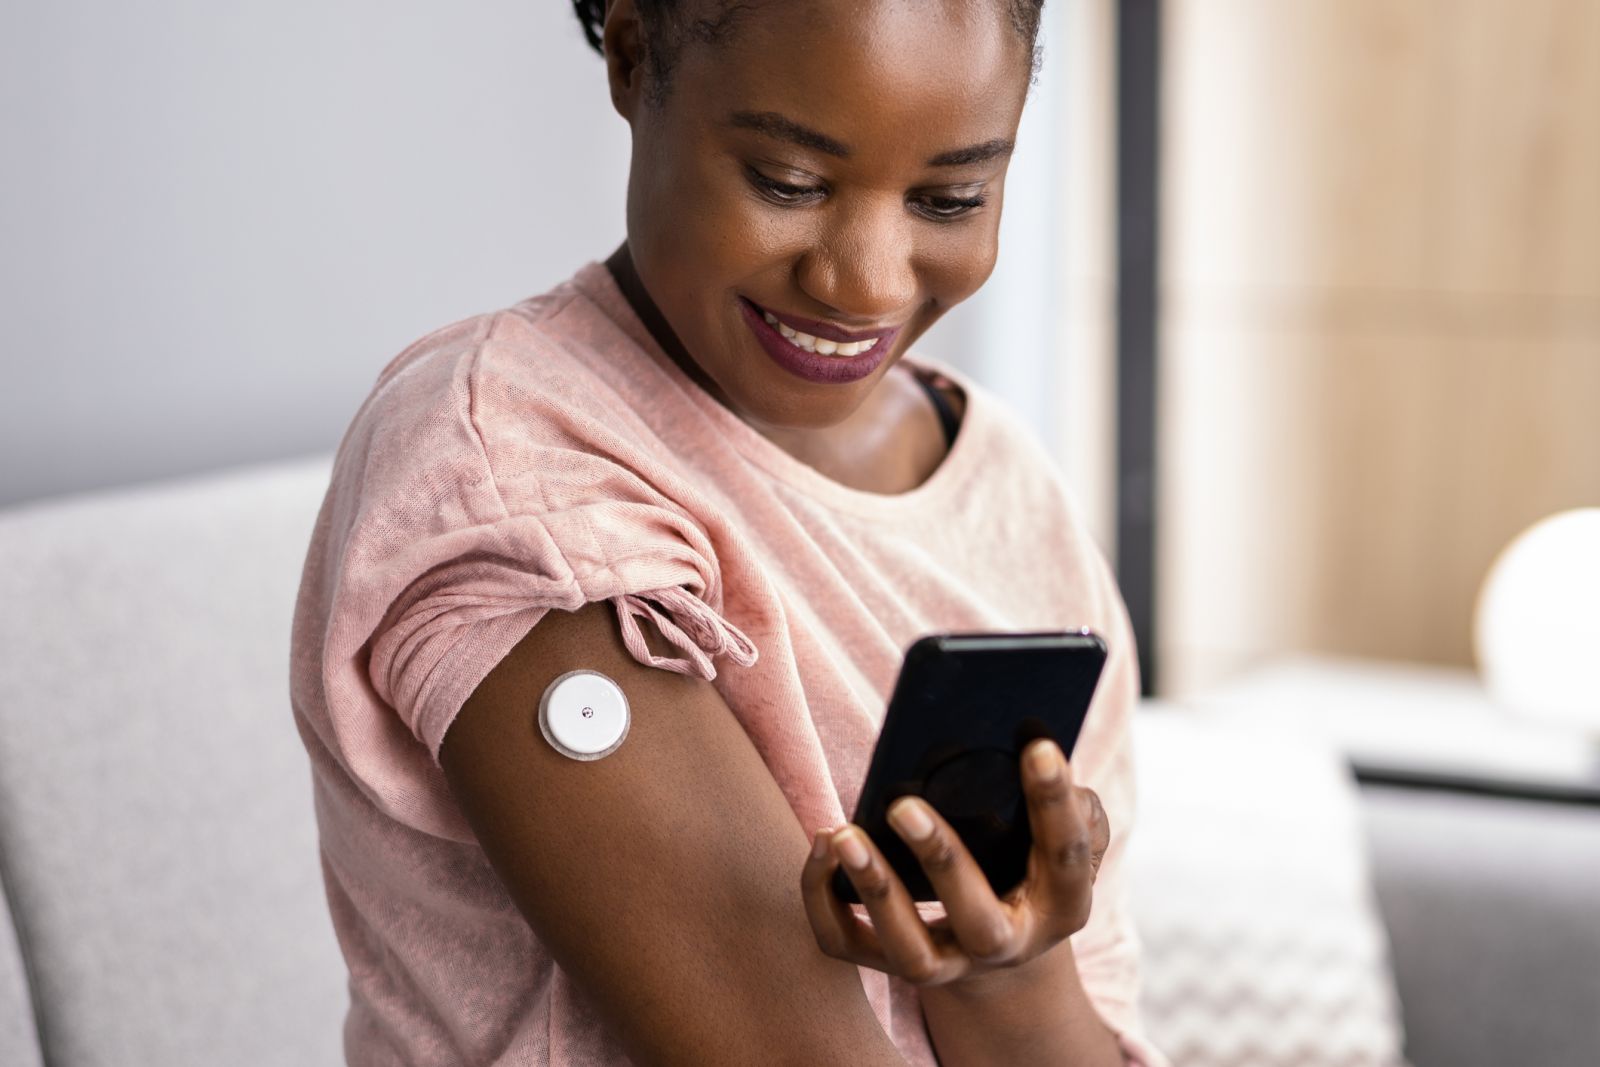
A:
[(908, 816), (851, 850), (1046, 759), (819, 844)]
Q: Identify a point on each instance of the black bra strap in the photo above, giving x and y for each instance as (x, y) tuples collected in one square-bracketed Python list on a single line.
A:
[(947, 414)]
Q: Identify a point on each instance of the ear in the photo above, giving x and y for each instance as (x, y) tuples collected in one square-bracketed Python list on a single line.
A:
[(623, 41)]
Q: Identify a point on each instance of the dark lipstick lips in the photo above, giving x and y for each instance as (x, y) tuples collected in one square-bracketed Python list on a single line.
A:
[(820, 329), (812, 366)]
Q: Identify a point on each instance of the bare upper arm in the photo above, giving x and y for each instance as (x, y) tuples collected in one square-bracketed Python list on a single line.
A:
[(665, 877)]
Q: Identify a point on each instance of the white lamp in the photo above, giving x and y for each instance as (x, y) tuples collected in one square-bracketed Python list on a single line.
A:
[(1537, 625)]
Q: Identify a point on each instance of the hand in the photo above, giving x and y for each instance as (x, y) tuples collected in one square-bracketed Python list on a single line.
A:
[(980, 932)]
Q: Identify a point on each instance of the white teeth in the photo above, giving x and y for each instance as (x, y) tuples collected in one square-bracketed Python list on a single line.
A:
[(820, 345)]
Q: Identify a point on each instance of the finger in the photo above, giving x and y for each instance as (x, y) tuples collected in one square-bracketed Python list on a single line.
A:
[(981, 923), (1061, 866), (1099, 827), (838, 931), (907, 945)]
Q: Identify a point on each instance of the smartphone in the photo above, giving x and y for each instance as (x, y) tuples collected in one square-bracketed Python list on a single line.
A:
[(963, 708)]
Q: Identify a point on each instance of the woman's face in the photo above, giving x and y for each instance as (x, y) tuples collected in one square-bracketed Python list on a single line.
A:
[(834, 165)]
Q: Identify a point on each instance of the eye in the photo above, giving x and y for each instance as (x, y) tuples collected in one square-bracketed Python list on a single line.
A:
[(782, 193), (947, 208)]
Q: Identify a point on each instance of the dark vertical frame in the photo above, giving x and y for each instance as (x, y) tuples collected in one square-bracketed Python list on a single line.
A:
[(1137, 108)]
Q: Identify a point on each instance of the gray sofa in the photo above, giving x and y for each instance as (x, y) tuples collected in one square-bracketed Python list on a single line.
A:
[(157, 848), (162, 895)]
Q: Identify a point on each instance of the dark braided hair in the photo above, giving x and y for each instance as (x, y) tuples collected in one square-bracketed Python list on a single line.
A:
[(666, 27)]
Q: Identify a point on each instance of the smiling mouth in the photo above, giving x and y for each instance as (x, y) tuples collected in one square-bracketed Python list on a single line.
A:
[(827, 340)]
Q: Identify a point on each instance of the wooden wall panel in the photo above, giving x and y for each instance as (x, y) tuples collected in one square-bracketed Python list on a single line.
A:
[(1381, 312), (1292, 126), (1434, 454), (1235, 576), (1516, 148)]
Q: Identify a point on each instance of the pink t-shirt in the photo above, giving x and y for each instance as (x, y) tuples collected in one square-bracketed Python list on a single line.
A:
[(549, 455)]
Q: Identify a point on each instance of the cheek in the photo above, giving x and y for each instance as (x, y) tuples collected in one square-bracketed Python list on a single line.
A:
[(957, 263), (697, 207), (747, 234)]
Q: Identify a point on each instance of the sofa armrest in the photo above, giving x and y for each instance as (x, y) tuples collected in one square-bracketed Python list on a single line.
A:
[(1493, 910)]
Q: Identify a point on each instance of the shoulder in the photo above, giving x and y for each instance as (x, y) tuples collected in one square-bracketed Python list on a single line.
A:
[(505, 391), (521, 434), (537, 342)]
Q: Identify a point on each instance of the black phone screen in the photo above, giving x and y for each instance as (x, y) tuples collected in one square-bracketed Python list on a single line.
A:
[(963, 708)]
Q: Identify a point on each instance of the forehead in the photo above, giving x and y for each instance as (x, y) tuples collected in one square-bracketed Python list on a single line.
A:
[(923, 75)]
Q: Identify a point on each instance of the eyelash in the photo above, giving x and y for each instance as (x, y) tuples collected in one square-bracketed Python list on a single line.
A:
[(937, 209)]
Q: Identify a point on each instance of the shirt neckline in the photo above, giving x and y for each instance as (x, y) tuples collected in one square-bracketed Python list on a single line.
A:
[(594, 281)]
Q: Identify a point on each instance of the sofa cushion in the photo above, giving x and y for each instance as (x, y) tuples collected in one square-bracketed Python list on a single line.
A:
[(1262, 939), (19, 1044), (155, 803)]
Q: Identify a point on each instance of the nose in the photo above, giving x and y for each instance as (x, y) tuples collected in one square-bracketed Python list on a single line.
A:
[(862, 266)]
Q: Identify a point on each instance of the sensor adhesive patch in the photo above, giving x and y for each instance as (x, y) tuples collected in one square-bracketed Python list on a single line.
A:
[(584, 715)]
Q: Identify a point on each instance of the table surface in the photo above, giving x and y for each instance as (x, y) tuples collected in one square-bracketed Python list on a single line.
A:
[(1414, 724)]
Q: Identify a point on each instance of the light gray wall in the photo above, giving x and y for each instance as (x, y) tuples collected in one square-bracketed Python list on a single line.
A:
[(220, 220)]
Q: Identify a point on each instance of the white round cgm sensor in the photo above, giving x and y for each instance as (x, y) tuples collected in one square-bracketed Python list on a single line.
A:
[(584, 715)]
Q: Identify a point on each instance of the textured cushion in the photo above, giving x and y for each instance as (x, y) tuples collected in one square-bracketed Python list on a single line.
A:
[(155, 804), (1262, 942)]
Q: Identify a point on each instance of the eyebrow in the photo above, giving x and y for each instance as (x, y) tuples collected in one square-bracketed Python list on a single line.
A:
[(785, 129), (978, 153), (775, 125)]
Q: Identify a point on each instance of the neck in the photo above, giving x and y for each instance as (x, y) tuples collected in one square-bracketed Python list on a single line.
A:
[(620, 264)]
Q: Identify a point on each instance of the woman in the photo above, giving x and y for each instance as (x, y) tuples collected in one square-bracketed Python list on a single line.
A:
[(715, 459)]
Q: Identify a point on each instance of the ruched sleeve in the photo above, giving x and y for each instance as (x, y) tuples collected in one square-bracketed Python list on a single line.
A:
[(457, 619), (460, 540)]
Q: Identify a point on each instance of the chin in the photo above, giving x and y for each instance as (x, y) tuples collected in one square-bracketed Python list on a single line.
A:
[(801, 406)]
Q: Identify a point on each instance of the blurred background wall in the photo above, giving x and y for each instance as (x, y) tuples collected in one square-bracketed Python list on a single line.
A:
[(1379, 293), (1381, 316), (222, 220)]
